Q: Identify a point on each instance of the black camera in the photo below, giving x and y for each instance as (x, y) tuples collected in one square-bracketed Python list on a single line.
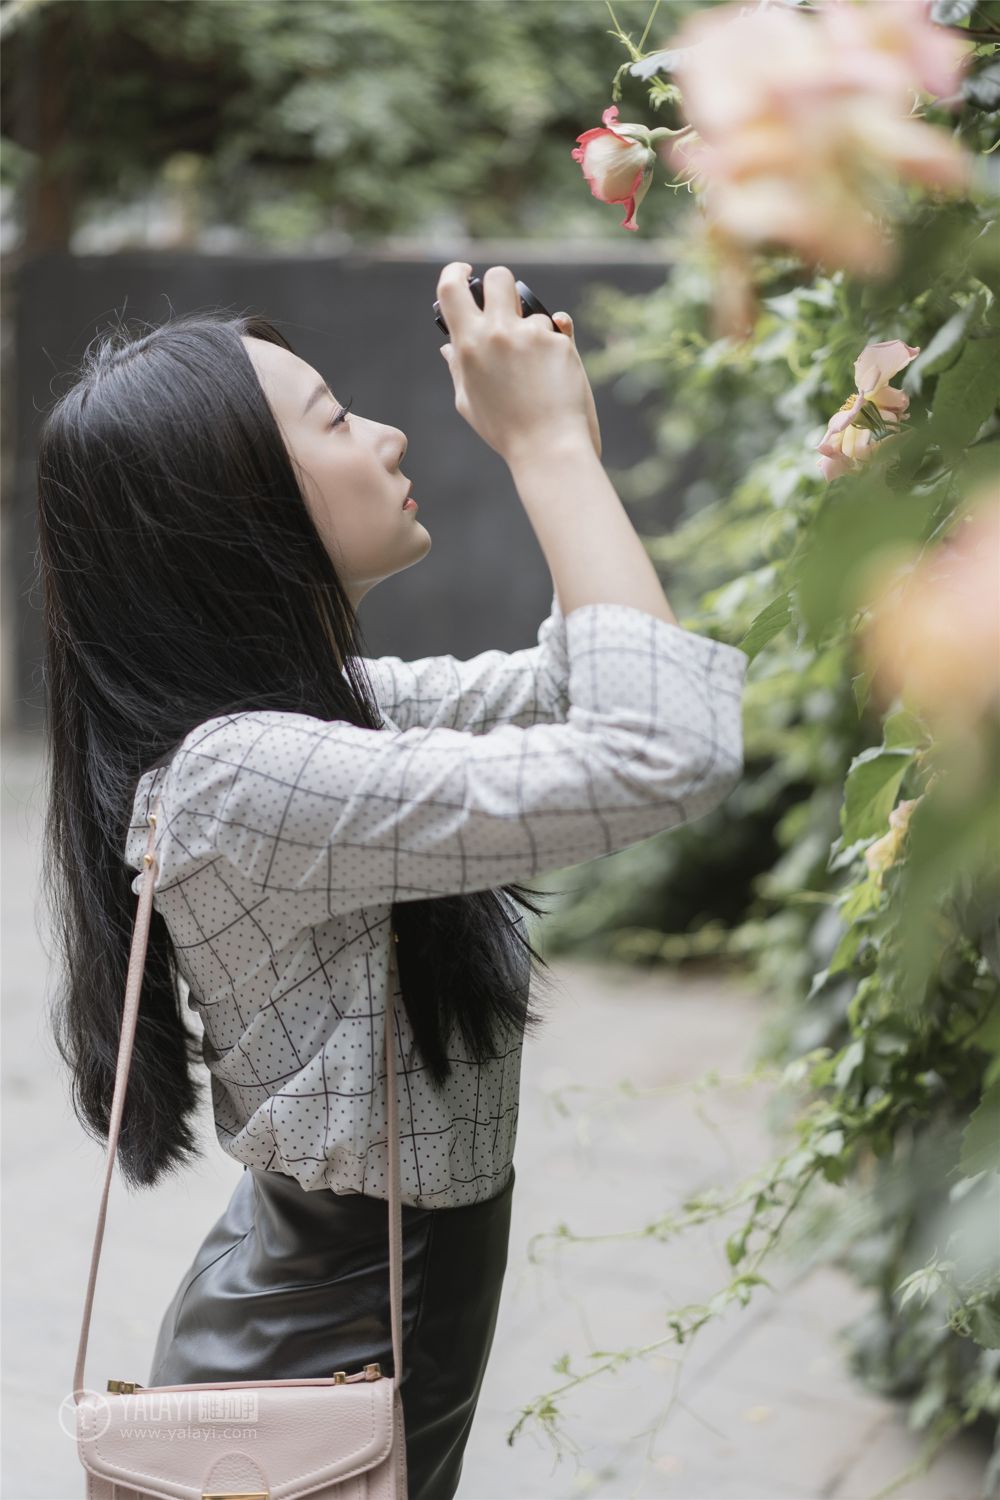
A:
[(529, 302)]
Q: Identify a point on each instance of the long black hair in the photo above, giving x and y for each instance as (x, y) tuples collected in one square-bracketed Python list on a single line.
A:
[(183, 578)]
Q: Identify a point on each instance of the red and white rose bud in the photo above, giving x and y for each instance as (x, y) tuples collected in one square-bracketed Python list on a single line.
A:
[(618, 158)]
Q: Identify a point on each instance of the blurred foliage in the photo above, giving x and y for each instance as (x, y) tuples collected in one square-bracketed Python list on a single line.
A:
[(291, 116), (885, 982)]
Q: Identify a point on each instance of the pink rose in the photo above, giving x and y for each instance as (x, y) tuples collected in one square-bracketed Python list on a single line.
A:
[(736, 69), (891, 45), (933, 635), (802, 126), (863, 418), (617, 160)]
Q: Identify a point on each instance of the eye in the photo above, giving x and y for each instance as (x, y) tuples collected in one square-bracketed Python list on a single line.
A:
[(341, 415)]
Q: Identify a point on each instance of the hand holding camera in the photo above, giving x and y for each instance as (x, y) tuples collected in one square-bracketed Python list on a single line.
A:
[(515, 384)]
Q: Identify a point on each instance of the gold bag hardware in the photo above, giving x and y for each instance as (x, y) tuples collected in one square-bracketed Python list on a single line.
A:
[(372, 1372), (234, 1495)]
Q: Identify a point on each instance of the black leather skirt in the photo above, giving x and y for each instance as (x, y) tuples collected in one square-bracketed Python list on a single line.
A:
[(289, 1284)]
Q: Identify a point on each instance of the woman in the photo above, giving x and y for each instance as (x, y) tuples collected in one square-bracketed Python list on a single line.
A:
[(210, 518)]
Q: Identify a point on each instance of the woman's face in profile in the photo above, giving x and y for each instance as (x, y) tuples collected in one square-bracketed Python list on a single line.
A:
[(349, 473)]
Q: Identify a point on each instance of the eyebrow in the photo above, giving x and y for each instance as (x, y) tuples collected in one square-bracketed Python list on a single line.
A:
[(321, 390)]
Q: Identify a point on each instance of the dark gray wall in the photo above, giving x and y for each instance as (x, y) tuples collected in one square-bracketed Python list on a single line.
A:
[(366, 323)]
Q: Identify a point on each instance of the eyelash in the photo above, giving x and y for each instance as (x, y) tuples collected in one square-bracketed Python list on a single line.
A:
[(341, 414)]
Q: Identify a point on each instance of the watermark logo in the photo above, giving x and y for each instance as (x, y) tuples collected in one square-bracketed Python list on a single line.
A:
[(227, 1406), (99, 1421), (152, 1413)]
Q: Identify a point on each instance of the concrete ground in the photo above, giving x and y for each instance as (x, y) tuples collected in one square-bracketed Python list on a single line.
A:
[(757, 1407)]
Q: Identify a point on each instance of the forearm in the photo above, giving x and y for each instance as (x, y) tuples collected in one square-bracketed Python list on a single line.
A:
[(591, 546)]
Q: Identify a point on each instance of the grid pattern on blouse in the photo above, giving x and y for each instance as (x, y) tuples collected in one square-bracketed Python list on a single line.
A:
[(285, 839)]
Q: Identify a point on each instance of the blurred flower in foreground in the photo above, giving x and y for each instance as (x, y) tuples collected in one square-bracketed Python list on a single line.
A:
[(886, 850), (934, 632), (802, 126), (617, 160), (867, 417), (898, 43)]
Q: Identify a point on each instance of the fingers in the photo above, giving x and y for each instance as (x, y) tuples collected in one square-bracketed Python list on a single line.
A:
[(500, 297), (500, 294), (541, 321), (457, 302)]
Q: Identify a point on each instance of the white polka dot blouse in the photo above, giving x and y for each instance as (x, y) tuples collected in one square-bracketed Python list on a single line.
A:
[(285, 838)]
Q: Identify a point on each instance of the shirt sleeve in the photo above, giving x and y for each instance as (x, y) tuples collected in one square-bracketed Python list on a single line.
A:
[(336, 817), (477, 693)]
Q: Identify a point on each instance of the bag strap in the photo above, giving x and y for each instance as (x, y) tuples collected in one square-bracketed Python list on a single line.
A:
[(137, 961)]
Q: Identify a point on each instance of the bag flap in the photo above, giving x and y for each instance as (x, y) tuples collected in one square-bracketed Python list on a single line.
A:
[(284, 1441)]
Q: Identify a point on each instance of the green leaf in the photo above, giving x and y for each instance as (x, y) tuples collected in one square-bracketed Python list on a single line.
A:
[(932, 1399), (951, 12), (736, 1246), (982, 89), (981, 1137), (945, 347), (984, 1323), (863, 899), (966, 394), (903, 730), (831, 1143), (846, 949), (944, 840), (833, 1168), (986, 1036), (663, 61), (870, 792), (856, 522), (764, 626), (848, 1064), (922, 1283)]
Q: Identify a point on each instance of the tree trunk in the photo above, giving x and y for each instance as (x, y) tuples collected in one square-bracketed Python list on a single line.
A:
[(50, 201)]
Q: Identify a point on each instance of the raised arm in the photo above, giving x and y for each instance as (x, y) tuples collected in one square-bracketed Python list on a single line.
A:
[(333, 817), (523, 388), (593, 552)]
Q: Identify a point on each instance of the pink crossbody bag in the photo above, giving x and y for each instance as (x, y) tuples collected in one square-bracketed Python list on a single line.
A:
[(339, 1437)]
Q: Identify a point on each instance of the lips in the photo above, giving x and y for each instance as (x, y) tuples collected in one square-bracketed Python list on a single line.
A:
[(409, 494)]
